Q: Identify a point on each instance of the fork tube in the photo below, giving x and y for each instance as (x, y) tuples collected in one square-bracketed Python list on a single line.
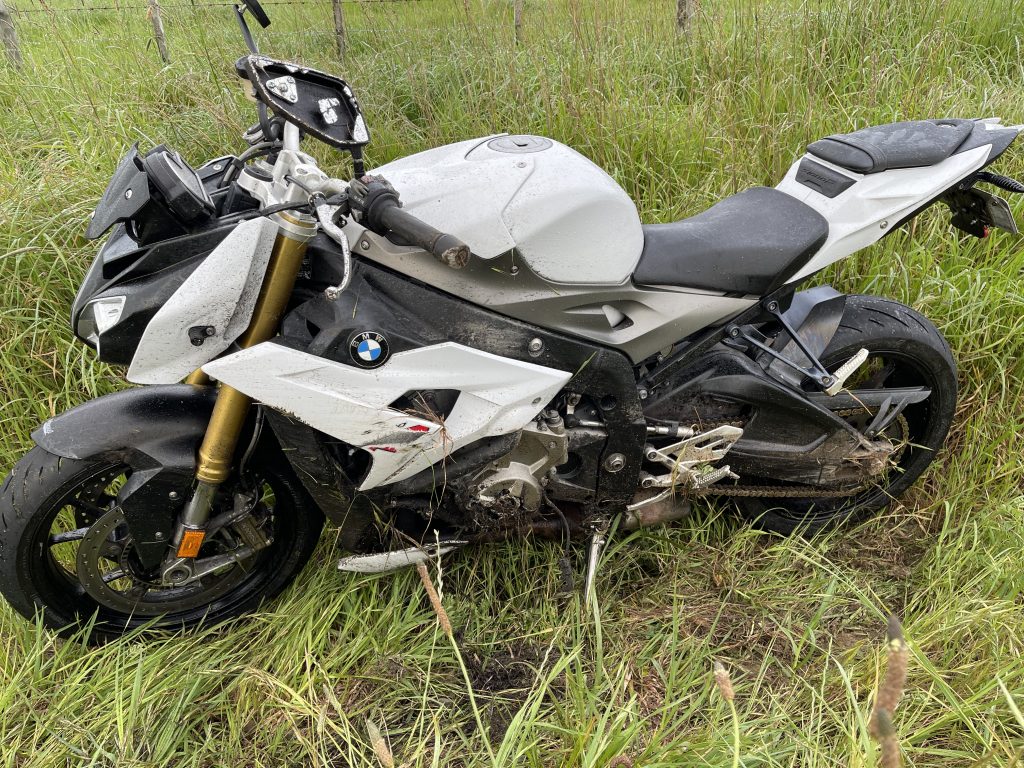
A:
[(198, 378), (218, 448)]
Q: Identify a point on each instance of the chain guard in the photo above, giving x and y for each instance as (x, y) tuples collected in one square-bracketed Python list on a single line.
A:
[(783, 491), (801, 491)]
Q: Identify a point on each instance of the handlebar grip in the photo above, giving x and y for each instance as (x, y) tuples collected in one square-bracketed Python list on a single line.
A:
[(378, 202), (447, 249)]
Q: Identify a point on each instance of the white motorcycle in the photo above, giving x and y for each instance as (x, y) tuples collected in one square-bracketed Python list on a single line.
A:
[(476, 342)]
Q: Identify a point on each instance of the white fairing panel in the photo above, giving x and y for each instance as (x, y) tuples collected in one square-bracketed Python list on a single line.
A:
[(867, 210), (564, 215), (220, 293), (498, 396)]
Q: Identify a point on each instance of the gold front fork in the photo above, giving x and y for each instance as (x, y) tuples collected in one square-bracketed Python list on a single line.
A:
[(217, 451), (198, 378)]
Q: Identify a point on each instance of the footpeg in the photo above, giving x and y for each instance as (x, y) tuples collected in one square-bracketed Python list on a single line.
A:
[(709, 478), (702, 448), (386, 562), (845, 371), (597, 542), (684, 461)]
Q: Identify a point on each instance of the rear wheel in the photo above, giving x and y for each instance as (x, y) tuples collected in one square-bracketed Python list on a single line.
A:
[(65, 549), (905, 350)]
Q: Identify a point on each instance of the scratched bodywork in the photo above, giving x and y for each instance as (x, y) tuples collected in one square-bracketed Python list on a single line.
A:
[(217, 299), (497, 395)]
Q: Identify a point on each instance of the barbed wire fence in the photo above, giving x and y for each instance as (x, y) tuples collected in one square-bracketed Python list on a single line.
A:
[(685, 12), (9, 35), (11, 44)]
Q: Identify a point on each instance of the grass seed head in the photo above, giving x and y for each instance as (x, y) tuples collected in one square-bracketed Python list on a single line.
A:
[(887, 740), (435, 600), (893, 683), (723, 682), (380, 746)]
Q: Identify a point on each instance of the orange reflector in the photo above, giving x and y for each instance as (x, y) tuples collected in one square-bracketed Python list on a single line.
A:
[(191, 541)]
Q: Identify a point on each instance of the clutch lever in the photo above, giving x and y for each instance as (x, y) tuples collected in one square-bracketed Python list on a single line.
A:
[(325, 213)]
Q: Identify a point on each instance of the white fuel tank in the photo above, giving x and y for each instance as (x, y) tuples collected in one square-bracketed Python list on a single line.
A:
[(567, 218)]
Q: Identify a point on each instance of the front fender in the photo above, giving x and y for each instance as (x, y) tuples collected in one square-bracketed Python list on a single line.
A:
[(154, 430), (146, 427)]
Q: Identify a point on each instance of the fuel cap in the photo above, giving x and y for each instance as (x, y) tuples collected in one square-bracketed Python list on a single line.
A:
[(519, 145)]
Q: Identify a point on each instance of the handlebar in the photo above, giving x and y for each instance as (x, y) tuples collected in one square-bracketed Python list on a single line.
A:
[(447, 249), (378, 202)]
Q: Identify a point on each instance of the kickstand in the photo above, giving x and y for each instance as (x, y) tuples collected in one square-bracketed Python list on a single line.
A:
[(597, 542)]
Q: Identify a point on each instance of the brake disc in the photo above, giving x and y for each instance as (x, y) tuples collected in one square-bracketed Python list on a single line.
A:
[(109, 574)]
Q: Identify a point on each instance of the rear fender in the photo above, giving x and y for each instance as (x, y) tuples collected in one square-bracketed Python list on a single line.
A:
[(154, 430), (815, 315)]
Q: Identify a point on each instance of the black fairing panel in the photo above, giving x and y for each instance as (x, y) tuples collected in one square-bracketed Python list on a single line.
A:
[(324, 328), (143, 298), (127, 256), (125, 195), (749, 244), (146, 276)]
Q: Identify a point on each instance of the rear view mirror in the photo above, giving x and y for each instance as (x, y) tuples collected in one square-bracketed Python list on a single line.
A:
[(321, 105)]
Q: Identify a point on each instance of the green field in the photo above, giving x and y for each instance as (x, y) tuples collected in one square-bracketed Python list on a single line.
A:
[(538, 680)]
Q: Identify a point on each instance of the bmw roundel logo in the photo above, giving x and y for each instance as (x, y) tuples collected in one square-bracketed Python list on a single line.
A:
[(369, 349)]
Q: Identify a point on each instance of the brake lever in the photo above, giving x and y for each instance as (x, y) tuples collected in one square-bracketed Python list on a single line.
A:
[(322, 208)]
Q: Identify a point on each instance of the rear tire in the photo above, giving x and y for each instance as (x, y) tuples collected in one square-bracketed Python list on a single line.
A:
[(36, 575), (911, 352)]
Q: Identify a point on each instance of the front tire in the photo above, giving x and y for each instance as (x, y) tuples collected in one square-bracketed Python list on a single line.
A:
[(905, 350), (49, 503)]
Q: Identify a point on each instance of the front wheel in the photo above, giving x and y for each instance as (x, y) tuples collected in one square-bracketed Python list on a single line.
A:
[(66, 552), (904, 350)]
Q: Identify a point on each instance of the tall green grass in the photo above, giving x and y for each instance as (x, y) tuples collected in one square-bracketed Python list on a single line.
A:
[(680, 122)]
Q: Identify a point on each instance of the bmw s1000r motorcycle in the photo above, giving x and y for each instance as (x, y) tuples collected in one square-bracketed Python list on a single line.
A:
[(472, 343)]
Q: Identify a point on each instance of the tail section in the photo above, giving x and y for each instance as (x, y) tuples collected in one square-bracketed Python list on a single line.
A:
[(868, 182)]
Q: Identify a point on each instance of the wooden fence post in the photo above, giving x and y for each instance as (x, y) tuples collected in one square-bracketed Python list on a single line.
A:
[(517, 14), (9, 35), (685, 11), (339, 27), (158, 30)]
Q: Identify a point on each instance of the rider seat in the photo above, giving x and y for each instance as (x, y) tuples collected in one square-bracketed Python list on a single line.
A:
[(748, 244), (912, 144)]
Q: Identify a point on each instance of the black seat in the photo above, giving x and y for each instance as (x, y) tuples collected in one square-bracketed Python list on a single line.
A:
[(750, 243), (912, 144)]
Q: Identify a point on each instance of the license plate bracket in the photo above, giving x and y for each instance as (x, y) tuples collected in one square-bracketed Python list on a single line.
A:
[(975, 211)]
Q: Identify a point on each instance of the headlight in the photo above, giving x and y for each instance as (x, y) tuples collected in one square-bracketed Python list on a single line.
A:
[(98, 316)]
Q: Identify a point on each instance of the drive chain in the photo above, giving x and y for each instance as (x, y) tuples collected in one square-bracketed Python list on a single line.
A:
[(796, 491)]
